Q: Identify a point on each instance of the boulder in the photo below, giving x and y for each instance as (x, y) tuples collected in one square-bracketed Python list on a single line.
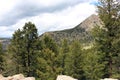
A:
[(64, 77), (29, 78), (18, 77), (6, 78), (1, 76)]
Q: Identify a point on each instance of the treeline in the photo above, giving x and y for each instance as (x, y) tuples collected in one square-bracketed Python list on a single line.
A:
[(44, 59)]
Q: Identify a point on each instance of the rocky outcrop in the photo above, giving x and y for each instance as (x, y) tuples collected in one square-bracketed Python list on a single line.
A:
[(16, 77), (64, 77)]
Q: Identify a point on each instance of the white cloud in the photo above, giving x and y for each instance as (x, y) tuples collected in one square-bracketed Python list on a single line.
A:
[(6, 6), (67, 18), (20, 9), (5, 32)]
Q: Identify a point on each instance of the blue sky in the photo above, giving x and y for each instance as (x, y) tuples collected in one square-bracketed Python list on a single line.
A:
[(47, 15)]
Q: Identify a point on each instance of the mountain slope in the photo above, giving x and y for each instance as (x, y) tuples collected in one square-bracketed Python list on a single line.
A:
[(5, 42), (80, 32)]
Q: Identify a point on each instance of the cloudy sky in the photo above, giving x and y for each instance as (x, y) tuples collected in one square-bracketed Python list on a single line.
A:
[(47, 15)]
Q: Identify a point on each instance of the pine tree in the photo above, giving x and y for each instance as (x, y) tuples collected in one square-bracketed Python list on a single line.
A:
[(48, 65), (74, 61), (92, 66), (107, 37), (64, 51), (2, 61), (15, 48), (30, 37), (23, 47)]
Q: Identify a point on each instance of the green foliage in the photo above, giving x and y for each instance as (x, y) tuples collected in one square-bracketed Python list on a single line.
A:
[(92, 65), (30, 37), (106, 37), (48, 67), (22, 48), (74, 61), (2, 61), (63, 54), (15, 49)]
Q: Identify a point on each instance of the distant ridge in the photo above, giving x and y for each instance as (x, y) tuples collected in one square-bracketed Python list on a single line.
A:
[(80, 32), (5, 42)]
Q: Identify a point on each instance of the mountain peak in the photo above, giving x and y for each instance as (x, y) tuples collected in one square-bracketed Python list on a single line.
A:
[(90, 22), (81, 32)]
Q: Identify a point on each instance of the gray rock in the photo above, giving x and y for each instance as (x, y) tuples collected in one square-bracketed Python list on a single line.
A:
[(64, 77)]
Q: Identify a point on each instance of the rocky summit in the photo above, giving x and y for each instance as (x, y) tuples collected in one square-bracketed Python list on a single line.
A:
[(80, 32)]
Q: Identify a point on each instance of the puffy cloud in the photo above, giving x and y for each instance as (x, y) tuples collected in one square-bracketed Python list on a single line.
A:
[(5, 32), (26, 8)]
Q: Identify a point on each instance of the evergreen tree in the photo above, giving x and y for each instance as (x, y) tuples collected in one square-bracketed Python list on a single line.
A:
[(2, 61), (48, 67), (30, 37), (23, 47), (107, 37), (64, 51), (15, 48), (74, 61), (92, 65)]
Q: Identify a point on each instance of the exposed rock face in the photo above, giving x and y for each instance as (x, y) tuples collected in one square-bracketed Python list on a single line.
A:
[(16, 77), (81, 32), (64, 77), (91, 22)]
